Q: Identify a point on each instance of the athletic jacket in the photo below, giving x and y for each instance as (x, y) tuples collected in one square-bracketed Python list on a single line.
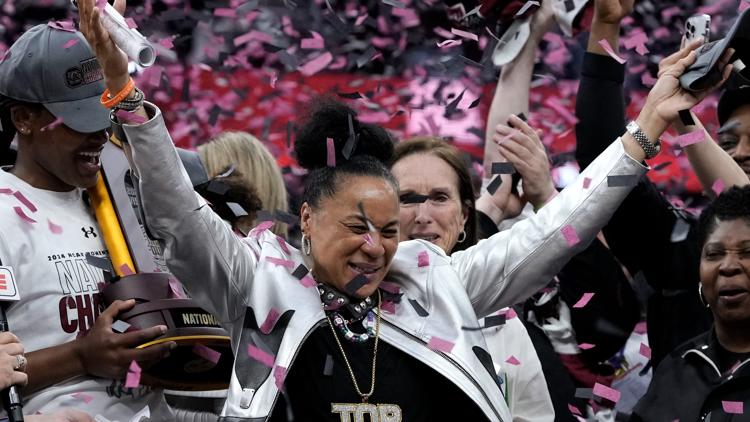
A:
[(237, 282)]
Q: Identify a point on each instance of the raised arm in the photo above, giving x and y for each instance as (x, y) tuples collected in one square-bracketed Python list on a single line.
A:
[(512, 98), (513, 264), (201, 250)]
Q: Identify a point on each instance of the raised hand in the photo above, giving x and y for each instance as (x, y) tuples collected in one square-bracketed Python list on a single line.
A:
[(10, 348), (612, 11), (667, 97), (104, 353), (114, 62), (521, 146)]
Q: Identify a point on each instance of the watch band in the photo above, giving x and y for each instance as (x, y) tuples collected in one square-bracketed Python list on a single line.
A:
[(651, 148)]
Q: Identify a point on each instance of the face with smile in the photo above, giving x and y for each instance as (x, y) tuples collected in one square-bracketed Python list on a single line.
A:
[(57, 159), (725, 272), (345, 243), (441, 218), (736, 140)]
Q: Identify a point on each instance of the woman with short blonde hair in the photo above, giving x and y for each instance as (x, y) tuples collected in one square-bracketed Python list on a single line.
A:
[(255, 167)]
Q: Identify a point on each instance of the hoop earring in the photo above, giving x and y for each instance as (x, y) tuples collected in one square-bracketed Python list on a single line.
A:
[(306, 244), (700, 296), (461, 236)]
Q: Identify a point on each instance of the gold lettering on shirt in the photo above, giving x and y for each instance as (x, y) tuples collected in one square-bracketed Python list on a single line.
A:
[(355, 412)]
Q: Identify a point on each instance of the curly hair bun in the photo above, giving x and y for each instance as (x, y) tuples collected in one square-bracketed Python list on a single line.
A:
[(329, 118)]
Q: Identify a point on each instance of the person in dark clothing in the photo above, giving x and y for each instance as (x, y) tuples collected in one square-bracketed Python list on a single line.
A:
[(708, 378), (647, 234)]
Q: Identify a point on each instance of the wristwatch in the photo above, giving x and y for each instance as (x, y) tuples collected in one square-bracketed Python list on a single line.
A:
[(650, 148)]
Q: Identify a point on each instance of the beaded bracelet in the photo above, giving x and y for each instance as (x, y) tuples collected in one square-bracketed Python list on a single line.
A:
[(111, 102)]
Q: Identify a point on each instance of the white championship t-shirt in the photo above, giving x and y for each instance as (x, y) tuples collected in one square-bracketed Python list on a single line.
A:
[(44, 237)]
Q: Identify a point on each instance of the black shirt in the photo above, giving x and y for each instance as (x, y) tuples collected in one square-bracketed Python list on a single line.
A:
[(422, 393)]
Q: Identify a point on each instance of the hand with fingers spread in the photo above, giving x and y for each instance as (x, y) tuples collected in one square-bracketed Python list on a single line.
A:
[(11, 355), (107, 354), (521, 146), (65, 415), (114, 62)]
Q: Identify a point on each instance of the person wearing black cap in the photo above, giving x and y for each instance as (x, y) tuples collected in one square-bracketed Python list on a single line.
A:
[(734, 118), (51, 86)]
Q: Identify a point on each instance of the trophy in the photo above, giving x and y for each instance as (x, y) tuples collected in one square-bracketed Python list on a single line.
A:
[(140, 273)]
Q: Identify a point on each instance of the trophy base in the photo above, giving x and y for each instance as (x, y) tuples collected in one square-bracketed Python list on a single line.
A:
[(190, 366)]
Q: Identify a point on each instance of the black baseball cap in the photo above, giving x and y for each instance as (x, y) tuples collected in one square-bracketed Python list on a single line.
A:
[(704, 73), (56, 68), (731, 100)]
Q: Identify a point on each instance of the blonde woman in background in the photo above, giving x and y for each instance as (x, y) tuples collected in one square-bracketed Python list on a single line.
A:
[(254, 167)]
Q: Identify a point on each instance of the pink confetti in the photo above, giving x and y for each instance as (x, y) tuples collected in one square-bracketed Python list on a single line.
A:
[(586, 346), (283, 245), (316, 65), (225, 12), (271, 318), (19, 211), (360, 19), (131, 23), (281, 262), (368, 239), (207, 353), (691, 138), (263, 226), (510, 313), (314, 43), (133, 380), (648, 80), (513, 361), (70, 43), (130, 117), (449, 43), (166, 42), (55, 123), (574, 410), (54, 228), (586, 182), (279, 375), (331, 153), (176, 288), (263, 357), (570, 235), (583, 300), (645, 351), (608, 48), (423, 259), (100, 4), (308, 281), (388, 306), (563, 111), (464, 34), (390, 287), (83, 396), (62, 25), (126, 270), (734, 407), (25, 201), (440, 345), (605, 392), (744, 5), (718, 187)]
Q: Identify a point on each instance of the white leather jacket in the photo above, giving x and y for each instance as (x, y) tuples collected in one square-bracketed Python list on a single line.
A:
[(233, 279)]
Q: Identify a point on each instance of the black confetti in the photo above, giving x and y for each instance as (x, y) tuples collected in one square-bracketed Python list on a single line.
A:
[(452, 107), (418, 308), (503, 167), (584, 393), (680, 231), (355, 284), (365, 57), (394, 3), (351, 142), (686, 117), (494, 185), (285, 217), (98, 262), (219, 188), (300, 272), (661, 166), (728, 126), (264, 215), (350, 95), (625, 180), (413, 198), (328, 366), (522, 117)]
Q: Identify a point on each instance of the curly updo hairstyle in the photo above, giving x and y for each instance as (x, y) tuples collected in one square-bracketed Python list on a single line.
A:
[(370, 147)]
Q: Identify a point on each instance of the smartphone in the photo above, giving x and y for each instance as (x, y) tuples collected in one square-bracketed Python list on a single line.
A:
[(698, 27)]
